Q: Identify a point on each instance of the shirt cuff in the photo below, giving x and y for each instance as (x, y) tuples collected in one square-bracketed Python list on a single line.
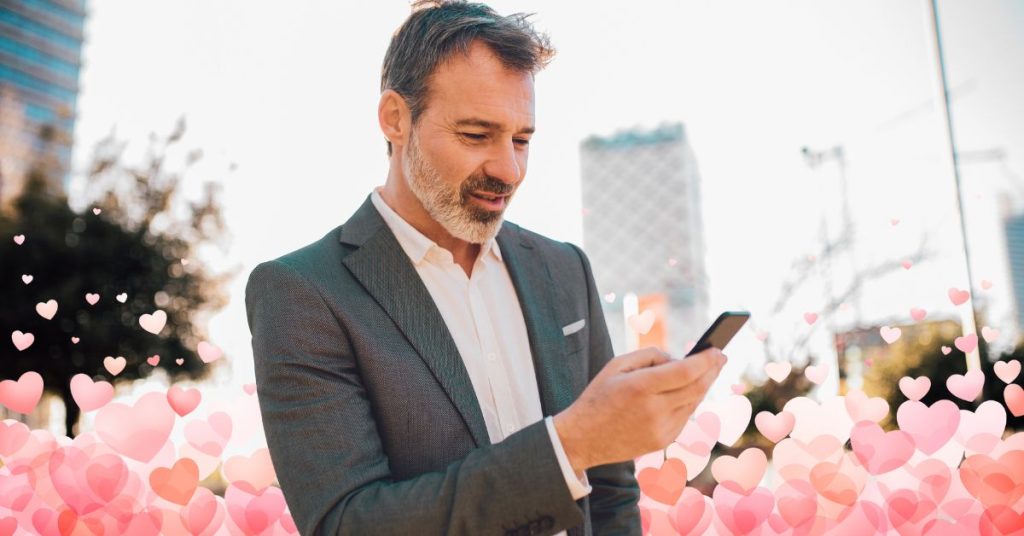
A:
[(579, 486)]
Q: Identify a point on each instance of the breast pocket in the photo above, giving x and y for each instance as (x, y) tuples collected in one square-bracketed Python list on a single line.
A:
[(574, 335)]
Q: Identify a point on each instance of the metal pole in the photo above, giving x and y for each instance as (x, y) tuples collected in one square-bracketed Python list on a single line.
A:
[(969, 318)]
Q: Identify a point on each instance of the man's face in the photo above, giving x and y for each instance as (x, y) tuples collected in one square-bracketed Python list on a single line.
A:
[(471, 139)]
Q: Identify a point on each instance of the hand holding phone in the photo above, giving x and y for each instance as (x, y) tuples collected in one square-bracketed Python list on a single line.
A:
[(721, 331)]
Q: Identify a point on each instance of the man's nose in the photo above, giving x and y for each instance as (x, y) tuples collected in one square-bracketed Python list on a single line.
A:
[(504, 163)]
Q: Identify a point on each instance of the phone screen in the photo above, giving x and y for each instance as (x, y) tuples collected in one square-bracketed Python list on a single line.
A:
[(721, 331)]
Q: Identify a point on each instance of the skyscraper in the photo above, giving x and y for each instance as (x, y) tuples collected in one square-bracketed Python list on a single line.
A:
[(643, 230), (40, 57)]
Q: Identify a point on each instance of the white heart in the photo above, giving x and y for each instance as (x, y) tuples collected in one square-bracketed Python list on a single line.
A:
[(989, 334), (26, 278), (96, 211), (209, 352), (153, 323), (92, 298), (890, 335), (642, 322), (122, 297), (19, 239), (47, 310), (22, 340)]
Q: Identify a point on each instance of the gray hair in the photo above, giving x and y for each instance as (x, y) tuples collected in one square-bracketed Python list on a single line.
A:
[(438, 29)]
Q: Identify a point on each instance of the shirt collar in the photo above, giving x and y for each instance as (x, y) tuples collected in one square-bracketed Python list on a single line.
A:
[(415, 243)]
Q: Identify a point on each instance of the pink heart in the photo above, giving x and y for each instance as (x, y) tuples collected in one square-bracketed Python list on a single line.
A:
[(22, 395), (958, 296), (47, 309), (90, 395), (986, 284), (761, 336), (106, 475), (13, 435), (92, 298), (114, 365), (742, 473), (966, 386), (74, 340), (861, 408), (930, 426), (690, 514), (778, 371), (153, 359), (153, 323), (810, 318), (1013, 395), (817, 373), (26, 278), (254, 513), (180, 360), (22, 340), (740, 513), (151, 419), (209, 436), (989, 334), (738, 388), (890, 334), (1007, 370), (981, 430), (202, 512), (208, 352), (880, 451), (916, 388), (966, 343), (774, 427), (67, 466), (918, 314), (249, 388), (122, 297), (183, 401), (19, 239), (97, 211), (946, 350), (894, 221), (907, 264), (256, 470)]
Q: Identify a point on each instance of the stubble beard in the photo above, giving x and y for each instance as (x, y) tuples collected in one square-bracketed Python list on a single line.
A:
[(449, 206)]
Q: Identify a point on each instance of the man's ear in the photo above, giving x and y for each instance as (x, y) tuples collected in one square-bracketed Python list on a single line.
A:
[(394, 117)]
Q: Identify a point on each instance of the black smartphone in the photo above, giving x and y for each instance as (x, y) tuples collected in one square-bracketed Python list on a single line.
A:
[(726, 326)]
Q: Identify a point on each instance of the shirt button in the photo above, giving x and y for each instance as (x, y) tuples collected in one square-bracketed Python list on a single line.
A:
[(491, 357)]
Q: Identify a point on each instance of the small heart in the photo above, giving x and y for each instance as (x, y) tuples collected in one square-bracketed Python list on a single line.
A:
[(890, 335), (869, 361), (738, 388), (642, 322), (249, 388), (180, 360), (22, 340), (986, 284), (153, 359), (208, 352), (894, 221), (182, 400), (989, 334), (778, 371), (47, 310), (74, 340), (26, 278), (610, 297), (946, 350), (918, 314), (672, 262), (1007, 370), (178, 483), (762, 336), (915, 388), (810, 318), (184, 262), (97, 211), (906, 264), (957, 296), (816, 373), (19, 239), (114, 365), (122, 297), (1013, 395), (153, 323), (967, 343), (92, 298)]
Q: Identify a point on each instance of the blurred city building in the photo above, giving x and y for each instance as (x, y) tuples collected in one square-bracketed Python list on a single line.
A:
[(644, 235), (1013, 227), (862, 348), (40, 57)]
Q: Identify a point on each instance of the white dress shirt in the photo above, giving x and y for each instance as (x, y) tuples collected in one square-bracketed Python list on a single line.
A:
[(483, 315)]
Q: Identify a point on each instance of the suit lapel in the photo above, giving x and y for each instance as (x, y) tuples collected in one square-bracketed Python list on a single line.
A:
[(382, 267)]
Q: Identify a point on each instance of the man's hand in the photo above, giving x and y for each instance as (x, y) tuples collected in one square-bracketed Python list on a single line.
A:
[(638, 403)]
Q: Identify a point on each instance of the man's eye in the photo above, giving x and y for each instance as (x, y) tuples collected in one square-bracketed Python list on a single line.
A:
[(474, 136), (523, 142)]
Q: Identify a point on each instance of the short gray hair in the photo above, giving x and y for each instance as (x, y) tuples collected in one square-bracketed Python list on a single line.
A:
[(438, 29)]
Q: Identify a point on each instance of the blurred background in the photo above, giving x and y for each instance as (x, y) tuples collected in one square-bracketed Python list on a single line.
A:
[(793, 159)]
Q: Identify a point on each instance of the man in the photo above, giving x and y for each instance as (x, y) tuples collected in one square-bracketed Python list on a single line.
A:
[(429, 368)]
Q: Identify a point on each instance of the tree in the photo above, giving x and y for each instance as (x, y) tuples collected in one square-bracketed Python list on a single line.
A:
[(138, 243)]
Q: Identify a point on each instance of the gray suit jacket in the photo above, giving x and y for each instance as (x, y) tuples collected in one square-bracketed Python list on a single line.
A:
[(370, 417)]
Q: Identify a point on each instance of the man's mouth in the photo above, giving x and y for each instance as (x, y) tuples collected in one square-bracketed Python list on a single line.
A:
[(491, 201)]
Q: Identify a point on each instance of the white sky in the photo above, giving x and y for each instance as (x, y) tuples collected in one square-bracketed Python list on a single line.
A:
[(289, 93)]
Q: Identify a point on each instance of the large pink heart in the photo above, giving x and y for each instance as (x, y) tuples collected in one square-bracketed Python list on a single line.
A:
[(690, 514), (930, 426), (67, 469), (22, 395), (13, 435), (203, 514), (966, 386), (210, 435), (860, 407), (254, 513), (183, 400), (90, 395), (740, 474), (741, 513), (879, 451), (138, 431)]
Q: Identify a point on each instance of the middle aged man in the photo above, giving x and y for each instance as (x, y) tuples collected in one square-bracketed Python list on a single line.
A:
[(429, 368)]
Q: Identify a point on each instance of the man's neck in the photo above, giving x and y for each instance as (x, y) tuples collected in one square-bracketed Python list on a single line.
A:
[(464, 253)]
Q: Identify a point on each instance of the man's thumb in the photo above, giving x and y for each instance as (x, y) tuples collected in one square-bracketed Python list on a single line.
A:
[(645, 357)]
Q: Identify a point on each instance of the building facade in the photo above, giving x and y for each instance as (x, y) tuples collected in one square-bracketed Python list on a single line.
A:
[(643, 230), (40, 59)]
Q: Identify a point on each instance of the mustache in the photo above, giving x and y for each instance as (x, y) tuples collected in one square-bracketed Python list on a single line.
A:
[(488, 185)]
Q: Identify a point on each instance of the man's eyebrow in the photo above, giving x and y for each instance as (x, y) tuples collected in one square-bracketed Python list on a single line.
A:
[(490, 125)]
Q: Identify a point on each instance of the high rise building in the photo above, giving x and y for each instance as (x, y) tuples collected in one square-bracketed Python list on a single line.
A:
[(1014, 230), (40, 57), (643, 230)]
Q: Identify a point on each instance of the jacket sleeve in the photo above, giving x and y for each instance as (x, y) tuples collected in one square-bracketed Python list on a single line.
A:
[(615, 494), (329, 459)]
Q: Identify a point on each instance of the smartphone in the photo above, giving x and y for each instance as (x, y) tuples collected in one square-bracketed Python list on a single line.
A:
[(726, 326)]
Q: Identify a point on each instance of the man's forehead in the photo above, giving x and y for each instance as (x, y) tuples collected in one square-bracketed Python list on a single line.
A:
[(489, 124)]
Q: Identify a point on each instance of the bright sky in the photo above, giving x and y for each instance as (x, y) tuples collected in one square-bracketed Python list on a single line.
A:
[(290, 95)]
